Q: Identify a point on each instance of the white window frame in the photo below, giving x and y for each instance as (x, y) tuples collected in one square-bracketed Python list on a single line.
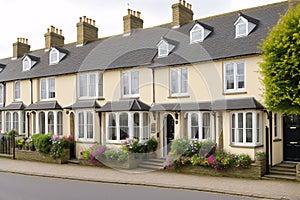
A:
[(256, 129), (85, 125), (130, 77), (130, 126), (26, 64), (47, 88), (53, 60), (235, 77), (17, 91), (55, 124), (179, 86), (163, 49), (200, 125), (98, 78), (195, 29), (1, 94), (20, 122), (241, 22)]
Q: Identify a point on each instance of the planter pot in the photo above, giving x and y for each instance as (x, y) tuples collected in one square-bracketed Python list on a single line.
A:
[(260, 158)]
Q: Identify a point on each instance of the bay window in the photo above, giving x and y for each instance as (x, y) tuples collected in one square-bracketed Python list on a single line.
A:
[(246, 128), (199, 125), (123, 125)]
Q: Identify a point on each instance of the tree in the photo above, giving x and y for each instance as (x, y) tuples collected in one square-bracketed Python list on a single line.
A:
[(280, 67)]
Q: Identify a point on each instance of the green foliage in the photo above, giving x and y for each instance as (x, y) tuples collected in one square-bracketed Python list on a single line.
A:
[(12, 132), (43, 142), (59, 143), (151, 144), (280, 67)]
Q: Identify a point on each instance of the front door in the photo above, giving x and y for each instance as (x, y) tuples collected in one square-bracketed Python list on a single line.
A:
[(169, 133), (291, 138)]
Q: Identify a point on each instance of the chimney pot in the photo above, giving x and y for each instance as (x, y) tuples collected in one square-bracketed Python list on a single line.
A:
[(184, 2), (80, 19), (94, 23), (84, 18), (60, 32), (138, 14), (26, 41)]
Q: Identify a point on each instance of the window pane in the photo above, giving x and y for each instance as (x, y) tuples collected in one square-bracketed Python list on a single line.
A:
[(174, 81), (42, 122), (17, 90), (275, 126), (206, 125), (197, 34), (258, 128), (249, 128), (112, 135), (240, 127), (194, 126), (100, 85), (59, 123), (51, 88), (240, 75), (163, 49), (81, 125), (184, 80), (1, 130), (82, 85), (53, 56), (136, 126), (124, 129), (43, 89), (233, 128), (50, 122), (92, 85), (8, 121), (229, 76), (135, 82), (89, 122), (145, 126), (1, 93), (241, 28), (125, 83), (16, 121)]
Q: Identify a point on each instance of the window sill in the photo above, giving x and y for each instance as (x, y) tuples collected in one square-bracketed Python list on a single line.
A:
[(245, 146), (178, 96), (129, 97), (90, 98), (79, 141), (234, 92), (277, 140)]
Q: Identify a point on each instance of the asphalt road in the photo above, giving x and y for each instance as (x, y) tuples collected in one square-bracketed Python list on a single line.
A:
[(20, 187)]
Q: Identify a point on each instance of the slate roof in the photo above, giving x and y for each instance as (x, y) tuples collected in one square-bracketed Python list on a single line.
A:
[(125, 105), (139, 47), (44, 105), (84, 104), (14, 106), (222, 104)]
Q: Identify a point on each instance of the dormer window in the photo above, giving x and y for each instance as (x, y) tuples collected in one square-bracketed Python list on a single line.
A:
[(241, 27), (197, 33), (56, 54), (165, 46), (2, 67), (163, 49), (26, 64), (29, 61), (244, 25)]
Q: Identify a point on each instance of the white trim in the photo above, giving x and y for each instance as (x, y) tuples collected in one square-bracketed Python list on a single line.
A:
[(254, 129), (52, 51), (97, 79), (241, 21), (129, 74), (201, 29), (84, 139), (179, 84), (47, 88), (130, 126), (164, 44), (19, 91), (235, 82)]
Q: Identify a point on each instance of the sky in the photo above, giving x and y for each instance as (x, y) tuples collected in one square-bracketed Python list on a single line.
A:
[(31, 18)]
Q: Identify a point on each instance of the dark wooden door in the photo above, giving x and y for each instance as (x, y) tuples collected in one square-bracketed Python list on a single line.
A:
[(170, 131), (291, 138)]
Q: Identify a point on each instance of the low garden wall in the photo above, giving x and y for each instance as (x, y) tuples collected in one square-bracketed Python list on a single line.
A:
[(254, 171), (42, 157)]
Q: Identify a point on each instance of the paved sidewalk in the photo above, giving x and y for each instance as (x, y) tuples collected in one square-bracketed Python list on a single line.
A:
[(268, 189)]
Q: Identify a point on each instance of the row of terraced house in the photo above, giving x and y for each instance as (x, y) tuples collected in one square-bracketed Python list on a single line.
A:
[(188, 78)]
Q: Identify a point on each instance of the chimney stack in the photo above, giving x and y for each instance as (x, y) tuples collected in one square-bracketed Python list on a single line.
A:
[(86, 30), (54, 37), (20, 47), (293, 4), (132, 21), (182, 13)]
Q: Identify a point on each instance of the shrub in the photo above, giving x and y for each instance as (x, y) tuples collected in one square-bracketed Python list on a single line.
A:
[(59, 143), (43, 142)]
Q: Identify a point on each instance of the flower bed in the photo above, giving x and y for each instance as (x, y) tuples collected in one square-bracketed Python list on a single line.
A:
[(46, 148), (201, 157), (128, 156)]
